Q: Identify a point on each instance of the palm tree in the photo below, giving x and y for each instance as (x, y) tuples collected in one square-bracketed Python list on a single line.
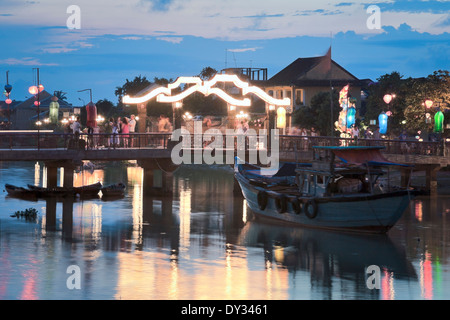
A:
[(60, 95)]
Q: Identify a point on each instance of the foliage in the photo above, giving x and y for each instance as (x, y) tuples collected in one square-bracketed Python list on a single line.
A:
[(408, 108), (207, 73), (318, 114), (60, 95), (393, 84), (29, 214), (131, 88)]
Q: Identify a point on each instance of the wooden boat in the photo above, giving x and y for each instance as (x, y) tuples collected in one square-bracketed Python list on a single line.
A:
[(84, 191), (340, 190), (19, 192), (114, 190)]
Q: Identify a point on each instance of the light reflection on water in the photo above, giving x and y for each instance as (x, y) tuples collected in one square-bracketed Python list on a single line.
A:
[(203, 243)]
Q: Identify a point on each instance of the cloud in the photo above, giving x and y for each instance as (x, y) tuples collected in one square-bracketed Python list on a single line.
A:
[(174, 40), (257, 20), (135, 38), (57, 50), (243, 49), (28, 61), (260, 16), (444, 22)]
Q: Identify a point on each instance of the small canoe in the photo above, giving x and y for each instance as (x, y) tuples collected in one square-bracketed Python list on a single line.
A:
[(84, 191), (114, 190)]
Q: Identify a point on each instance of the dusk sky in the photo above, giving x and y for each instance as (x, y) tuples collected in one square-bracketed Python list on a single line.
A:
[(118, 40)]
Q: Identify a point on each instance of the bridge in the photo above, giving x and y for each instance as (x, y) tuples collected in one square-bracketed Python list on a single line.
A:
[(153, 150)]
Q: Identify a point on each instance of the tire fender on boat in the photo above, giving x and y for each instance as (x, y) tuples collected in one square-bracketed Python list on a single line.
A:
[(262, 200), (296, 205), (280, 203), (311, 209)]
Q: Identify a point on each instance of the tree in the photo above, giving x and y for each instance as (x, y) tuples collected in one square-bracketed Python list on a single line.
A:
[(408, 107), (106, 108), (207, 73), (393, 84), (60, 95), (318, 114), (131, 88), (435, 87)]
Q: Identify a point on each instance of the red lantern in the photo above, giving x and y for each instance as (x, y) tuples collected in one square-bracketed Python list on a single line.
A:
[(37, 103), (8, 101), (33, 90), (428, 104), (387, 98), (41, 88), (91, 111)]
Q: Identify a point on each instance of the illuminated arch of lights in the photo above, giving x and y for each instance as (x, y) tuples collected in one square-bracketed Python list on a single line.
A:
[(164, 94)]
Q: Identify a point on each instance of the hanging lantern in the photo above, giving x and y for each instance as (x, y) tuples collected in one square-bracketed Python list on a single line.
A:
[(54, 110), (91, 111), (387, 98), (33, 90), (8, 101), (37, 103), (8, 88), (351, 113), (382, 121), (439, 122), (428, 104), (41, 88), (281, 118)]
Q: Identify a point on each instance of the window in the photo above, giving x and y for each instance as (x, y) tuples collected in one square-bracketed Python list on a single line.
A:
[(299, 97), (288, 94), (320, 179), (280, 94)]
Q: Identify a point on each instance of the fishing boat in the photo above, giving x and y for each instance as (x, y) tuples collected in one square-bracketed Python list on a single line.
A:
[(114, 190), (340, 190), (83, 191)]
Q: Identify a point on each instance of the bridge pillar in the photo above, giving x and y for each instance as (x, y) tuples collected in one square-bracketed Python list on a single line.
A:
[(431, 178), (50, 214), (68, 175), (405, 177), (67, 218), (52, 176), (157, 180), (52, 173)]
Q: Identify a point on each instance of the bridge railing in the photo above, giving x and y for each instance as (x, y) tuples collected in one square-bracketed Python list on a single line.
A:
[(46, 140), (413, 147), (287, 143)]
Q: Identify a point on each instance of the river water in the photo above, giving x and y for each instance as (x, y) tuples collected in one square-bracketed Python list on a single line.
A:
[(203, 243)]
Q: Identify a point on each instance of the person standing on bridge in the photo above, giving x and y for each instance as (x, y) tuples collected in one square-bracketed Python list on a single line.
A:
[(125, 131), (76, 126), (164, 126), (132, 124)]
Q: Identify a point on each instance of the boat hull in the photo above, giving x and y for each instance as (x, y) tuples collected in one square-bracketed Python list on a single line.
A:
[(358, 213)]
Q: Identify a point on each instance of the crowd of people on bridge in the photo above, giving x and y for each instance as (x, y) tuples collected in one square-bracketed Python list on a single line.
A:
[(117, 132)]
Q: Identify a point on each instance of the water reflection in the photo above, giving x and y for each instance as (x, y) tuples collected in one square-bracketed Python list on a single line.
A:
[(202, 242), (334, 261)]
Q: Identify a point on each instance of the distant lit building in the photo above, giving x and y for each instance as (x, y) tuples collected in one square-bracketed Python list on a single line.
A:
[(24, 115), (305, 77)]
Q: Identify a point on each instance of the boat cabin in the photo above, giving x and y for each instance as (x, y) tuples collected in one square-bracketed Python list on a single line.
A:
[(342, 171)]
